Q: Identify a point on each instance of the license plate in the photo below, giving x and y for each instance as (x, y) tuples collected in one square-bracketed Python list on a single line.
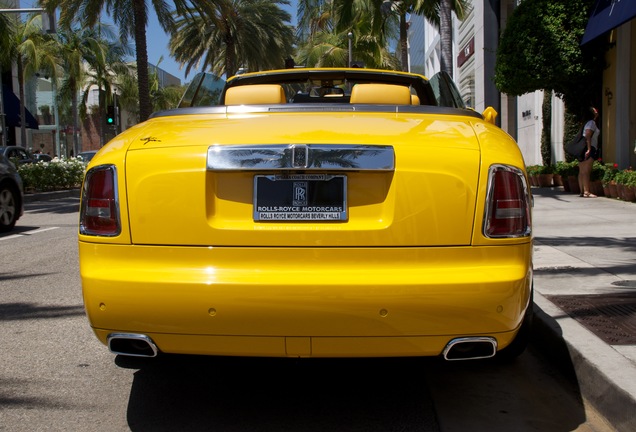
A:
[(300, 197)]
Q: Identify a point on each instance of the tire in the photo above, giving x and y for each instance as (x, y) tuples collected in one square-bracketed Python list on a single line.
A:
[(9, 208), (521, 341)]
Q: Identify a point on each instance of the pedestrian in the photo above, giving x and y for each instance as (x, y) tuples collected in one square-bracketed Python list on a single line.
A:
[(590, 132)]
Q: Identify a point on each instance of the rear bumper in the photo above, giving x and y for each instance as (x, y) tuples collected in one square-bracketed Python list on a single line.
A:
[(329, 302)]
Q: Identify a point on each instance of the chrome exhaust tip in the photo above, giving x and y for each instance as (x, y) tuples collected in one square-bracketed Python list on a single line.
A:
[(131, 344), (470, 348)]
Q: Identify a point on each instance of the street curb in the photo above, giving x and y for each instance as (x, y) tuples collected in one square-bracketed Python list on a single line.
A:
[(606, 379), (47, 196)]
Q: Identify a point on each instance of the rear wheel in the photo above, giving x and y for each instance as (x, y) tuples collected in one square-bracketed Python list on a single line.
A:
[(520, 342), (8, 208)]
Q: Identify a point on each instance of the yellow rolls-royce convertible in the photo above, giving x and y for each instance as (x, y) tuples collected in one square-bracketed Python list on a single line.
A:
[(310, 213)]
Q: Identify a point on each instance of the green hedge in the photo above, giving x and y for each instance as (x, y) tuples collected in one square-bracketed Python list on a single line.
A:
[(58, 174)]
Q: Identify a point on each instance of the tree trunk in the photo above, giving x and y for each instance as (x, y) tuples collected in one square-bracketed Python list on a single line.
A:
[(76, 144), (230, 62), (141, 48), (446, 36), (404, 42)]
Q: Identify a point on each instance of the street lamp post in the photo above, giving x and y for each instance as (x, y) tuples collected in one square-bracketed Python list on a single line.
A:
[(350, 36)]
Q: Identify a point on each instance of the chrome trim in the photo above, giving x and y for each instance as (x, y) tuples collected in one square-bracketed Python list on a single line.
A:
[(300, 155), (283, 157), (478, 339), (489, 202), (132, 337)]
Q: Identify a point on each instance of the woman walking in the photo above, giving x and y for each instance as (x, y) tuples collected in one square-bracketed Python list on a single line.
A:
[(590, 132)]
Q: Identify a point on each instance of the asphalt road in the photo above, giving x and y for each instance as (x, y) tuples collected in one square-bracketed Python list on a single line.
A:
[(56, 376)]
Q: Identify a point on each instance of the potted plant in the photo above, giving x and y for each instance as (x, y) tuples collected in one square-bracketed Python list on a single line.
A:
[(559, 171), (573, 177), (596, 185), (623, 182), (631, 186), (545, 175), (608, 180), (533, 174)]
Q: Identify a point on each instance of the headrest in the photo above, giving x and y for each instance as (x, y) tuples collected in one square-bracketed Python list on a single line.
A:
[(387, 94), (257, 94)]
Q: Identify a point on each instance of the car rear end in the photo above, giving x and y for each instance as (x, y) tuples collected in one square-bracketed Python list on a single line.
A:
[(307, 234), (11, 195)]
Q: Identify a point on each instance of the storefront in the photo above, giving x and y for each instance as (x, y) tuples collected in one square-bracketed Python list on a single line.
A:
[(614, 19)]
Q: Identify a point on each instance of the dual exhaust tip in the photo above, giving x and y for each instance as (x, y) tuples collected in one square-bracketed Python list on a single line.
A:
[(470, 348), (131, 344), (466, 348)]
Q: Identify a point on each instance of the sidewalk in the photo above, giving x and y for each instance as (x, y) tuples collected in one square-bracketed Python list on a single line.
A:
[(585, 262)]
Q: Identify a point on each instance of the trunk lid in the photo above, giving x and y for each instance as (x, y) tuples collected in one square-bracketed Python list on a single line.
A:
[(179, 195)]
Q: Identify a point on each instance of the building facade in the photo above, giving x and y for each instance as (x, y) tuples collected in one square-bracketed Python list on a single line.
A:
[(475, 42)]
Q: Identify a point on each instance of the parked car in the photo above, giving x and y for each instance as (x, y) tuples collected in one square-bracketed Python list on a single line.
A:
[(310, 213), (11, 194), (86, 156), (17, 155)]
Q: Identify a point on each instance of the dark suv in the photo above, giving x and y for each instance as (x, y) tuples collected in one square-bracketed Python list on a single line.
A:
[(11, 196)]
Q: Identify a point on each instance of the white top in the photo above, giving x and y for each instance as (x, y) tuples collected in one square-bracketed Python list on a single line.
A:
[(591, 125)]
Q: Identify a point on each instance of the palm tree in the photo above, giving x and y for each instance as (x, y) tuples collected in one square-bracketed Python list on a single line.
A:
[(313, 16), (32, 50), (439, 13), (326, 26), (401, 8), (227, 34), (104, 76), (80, 49), (132, 19)]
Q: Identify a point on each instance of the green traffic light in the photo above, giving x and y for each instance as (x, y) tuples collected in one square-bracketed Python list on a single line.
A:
[(110, 120)]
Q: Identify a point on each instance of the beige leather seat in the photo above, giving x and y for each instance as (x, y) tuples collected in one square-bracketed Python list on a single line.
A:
[(257, 94), (384, 94)]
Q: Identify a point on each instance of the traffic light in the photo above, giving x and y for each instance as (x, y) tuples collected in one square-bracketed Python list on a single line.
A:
[(110, 114)]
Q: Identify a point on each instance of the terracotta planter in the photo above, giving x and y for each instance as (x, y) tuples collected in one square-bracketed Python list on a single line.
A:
[(621, 191), (534, 180), (574, 184), (596, 187), (606, 190), (545, 180), (557, 180), (613, 190), (566, 184), (628, 194)]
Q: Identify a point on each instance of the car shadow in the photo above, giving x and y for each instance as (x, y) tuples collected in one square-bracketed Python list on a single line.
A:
[(408, 394), (247, 394)]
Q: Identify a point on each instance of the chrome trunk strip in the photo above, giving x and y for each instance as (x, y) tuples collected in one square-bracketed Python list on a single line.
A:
[(282, 157)]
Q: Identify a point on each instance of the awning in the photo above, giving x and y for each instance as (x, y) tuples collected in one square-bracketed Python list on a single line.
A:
[(607, 15), (12, 110)]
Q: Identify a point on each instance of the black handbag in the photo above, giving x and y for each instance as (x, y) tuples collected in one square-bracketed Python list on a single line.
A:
[(576, 148)]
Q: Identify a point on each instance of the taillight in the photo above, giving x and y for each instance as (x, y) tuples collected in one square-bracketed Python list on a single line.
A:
[(99, 212), (508, 203)]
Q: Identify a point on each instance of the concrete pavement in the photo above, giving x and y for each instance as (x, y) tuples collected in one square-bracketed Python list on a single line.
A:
[(583, 247)]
